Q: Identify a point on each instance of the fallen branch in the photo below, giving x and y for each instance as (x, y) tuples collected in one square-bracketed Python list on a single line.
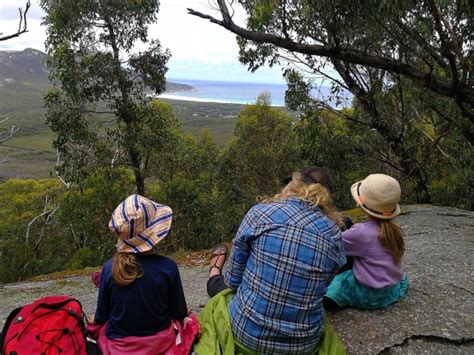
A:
[(9, 133), (461, 288), (429, 339)]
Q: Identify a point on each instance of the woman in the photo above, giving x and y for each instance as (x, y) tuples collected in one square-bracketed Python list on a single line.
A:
[(141, 306), (285, 253)]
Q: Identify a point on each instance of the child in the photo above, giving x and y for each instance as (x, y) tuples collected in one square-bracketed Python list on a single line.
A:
[(377, 246), (141, 307)]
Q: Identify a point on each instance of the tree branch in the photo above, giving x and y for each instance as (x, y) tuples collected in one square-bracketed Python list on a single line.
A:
[(22, 25), (8, 133), (425, 79), (58, 161), (38, 241), (446, 45)]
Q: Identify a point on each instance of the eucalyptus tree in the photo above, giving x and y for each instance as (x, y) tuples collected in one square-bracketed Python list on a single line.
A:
[(428, 42), (99, 106), (400, 59)]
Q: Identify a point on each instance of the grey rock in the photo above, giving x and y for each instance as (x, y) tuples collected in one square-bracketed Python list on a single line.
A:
[(436, 317)]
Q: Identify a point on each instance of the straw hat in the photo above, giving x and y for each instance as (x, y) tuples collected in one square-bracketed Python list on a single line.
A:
[(378, 195), (140, 224)]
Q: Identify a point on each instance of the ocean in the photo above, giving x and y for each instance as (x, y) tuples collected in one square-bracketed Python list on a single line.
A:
[(234, 92)]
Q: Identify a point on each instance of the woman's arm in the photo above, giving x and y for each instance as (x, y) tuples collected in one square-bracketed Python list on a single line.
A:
[(239, 254)]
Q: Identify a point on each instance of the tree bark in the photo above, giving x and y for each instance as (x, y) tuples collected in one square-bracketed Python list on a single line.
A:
[(124, 105)]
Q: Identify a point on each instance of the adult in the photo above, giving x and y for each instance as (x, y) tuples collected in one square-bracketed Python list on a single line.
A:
[(141, 306), (284, 255)]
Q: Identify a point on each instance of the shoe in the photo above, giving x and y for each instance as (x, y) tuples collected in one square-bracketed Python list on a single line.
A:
[(218, 250)]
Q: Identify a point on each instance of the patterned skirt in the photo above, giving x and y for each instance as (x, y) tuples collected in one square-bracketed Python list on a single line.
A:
[(346, 291)]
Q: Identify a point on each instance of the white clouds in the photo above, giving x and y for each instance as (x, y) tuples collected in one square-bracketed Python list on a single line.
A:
[(199, 49), (188, 36)]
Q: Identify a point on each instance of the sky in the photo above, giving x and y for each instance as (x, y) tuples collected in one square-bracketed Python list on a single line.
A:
[(200, 50)]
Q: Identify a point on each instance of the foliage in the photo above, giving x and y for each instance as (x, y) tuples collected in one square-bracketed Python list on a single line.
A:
[(325, 140), (85, 212), (99, 108), (186, 175), (66, 228), (426, 42), (254, 164), (196, 217), (21, 248), (82, 258), (210, 188)]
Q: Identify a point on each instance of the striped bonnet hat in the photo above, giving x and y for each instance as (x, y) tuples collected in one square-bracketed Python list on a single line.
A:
[(140, 224)]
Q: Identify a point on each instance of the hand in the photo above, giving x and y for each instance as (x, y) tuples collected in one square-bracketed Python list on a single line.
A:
[(90, 319)]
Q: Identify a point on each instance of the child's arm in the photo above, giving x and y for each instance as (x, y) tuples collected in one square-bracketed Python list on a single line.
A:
[(353, 245), (102, 312), (178, 307)]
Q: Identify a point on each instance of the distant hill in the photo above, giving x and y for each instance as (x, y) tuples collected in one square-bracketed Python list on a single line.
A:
[(26, 66), (176, 87), (24, 72), (24, 82)]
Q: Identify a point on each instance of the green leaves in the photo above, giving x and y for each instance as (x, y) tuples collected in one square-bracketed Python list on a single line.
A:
[(149, 66), (100, 108)]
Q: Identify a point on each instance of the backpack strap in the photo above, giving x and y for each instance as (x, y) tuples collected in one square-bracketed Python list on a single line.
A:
[(10, 318)]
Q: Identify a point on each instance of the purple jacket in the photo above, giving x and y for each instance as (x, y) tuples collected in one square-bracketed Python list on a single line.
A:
[(373, 265)]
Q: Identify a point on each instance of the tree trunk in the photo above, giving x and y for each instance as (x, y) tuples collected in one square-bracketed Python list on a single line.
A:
[(139, 180), (421, 190), (125, 114)]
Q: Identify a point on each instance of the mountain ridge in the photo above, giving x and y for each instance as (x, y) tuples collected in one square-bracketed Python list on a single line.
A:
[(26, 70)]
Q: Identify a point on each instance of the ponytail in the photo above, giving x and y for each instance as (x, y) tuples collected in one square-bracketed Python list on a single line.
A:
[(125, 269), (391, 238)]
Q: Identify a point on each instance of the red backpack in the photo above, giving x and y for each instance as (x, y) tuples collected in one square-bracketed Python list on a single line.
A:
[(49, 326)]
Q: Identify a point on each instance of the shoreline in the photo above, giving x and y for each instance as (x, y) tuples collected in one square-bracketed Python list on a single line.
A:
[(211, 101)]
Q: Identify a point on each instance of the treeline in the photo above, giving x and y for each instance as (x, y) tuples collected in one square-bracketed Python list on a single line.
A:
[(49, 225)]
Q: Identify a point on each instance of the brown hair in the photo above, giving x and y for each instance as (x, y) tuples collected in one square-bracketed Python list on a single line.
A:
[(125, 269), (314, 193), (391, 238)]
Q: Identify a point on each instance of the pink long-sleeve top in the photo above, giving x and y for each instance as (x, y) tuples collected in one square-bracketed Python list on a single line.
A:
[(373, 265)]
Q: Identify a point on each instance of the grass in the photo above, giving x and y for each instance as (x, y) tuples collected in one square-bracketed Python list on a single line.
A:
[(30, 153), (35, 142), (357, 215)]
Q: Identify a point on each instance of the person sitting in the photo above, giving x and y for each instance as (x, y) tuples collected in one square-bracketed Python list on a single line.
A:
[(141, 308), (284, 255), (376, 247)]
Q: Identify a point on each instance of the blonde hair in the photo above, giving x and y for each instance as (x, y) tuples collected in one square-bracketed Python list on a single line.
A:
[(125, 269), (391, 238), (316, 194)]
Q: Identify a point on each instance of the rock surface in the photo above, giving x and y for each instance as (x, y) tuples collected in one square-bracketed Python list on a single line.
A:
[(436, 317)]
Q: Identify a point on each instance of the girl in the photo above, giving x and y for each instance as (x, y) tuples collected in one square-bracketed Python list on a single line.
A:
[(141, 307), (377, 247)]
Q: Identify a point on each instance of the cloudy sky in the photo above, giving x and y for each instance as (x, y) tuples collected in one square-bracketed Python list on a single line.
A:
[(200, 50)]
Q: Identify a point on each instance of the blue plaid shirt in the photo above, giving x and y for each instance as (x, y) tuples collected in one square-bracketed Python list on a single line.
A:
[(283, 259)]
